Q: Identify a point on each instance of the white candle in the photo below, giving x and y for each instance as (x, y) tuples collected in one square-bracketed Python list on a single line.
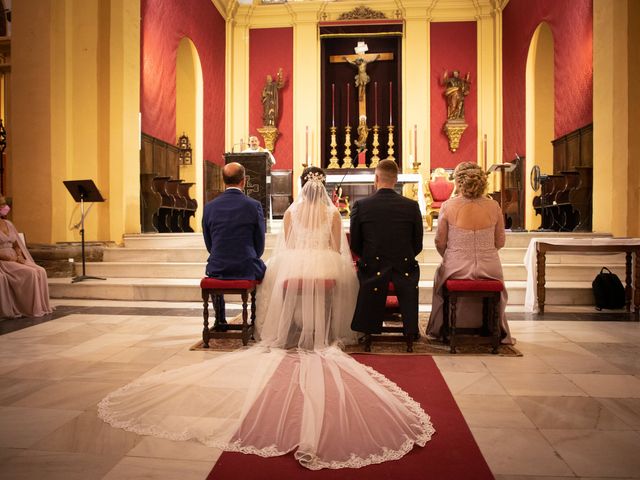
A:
[(306, 144)]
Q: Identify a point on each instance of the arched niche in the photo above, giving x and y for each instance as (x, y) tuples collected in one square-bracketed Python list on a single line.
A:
[(539, 112), (189, 115)]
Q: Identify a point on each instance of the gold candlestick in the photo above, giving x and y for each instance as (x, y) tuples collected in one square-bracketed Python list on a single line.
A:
[(333, 161), (348, 161), (415, 166), (390, 144), (375, 159)]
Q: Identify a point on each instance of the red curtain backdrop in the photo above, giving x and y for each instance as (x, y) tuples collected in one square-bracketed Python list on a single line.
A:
[(571, 23), (265, 61), (453, 47), (164, 24)]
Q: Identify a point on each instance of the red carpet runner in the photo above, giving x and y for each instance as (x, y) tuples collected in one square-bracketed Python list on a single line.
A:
[(452, 453)]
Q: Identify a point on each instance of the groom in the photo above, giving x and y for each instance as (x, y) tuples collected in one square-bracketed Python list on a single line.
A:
[(386, 233), (234, 229)]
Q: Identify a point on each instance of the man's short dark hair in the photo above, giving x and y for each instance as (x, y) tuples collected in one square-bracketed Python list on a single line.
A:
[(232, 174), (387, 170)]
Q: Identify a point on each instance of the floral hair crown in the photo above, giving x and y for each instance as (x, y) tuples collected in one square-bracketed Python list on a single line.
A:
[(315, 177)]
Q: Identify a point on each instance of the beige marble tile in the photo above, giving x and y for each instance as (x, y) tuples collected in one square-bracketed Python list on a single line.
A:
[(90, 434), (539, 384), (37, 332), (478, 383), (13, 389), (536, 477), (627, 409), (102, 347), (32, 464), (597, 453), (70, 395), (135, 468), (150, 356), (53, 369), (153, 447), (496, 411), (608, 386), (526, 364), (544, 337), (22, 427), (570, 413), (113, 372), (512, 451), (449, 363)]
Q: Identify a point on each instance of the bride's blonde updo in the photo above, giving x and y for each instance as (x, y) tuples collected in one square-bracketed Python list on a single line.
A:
[(471, 180)]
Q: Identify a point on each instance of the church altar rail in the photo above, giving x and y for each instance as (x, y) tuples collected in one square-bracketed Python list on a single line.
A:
[(367, 179), (535, 263)]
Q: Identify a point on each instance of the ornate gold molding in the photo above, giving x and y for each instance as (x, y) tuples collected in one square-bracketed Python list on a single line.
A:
[(454, 129), (362, 12), (269, 134)]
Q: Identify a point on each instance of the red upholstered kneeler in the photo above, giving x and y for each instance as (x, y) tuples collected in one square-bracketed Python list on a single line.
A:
[(488, 290), (215, 287)]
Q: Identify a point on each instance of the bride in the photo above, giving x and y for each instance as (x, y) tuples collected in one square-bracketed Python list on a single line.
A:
[(295, 390)]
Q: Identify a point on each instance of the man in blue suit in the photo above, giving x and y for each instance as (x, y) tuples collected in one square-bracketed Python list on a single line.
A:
[(234, 228)]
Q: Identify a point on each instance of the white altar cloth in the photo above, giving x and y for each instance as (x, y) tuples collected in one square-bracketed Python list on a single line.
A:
[(367, 178), (531, 257)]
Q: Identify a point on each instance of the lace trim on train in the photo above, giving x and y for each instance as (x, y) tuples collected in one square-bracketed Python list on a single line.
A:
[(306, 459)]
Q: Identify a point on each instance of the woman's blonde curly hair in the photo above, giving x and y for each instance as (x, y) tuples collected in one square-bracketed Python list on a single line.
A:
[(471, 180)]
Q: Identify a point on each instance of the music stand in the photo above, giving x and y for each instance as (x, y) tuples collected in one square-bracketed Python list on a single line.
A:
[(83, 191)]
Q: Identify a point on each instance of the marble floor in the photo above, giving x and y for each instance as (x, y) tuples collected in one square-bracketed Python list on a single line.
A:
[(568, 408)]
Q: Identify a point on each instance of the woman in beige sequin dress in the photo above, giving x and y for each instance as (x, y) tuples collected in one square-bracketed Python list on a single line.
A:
[(470, 233)]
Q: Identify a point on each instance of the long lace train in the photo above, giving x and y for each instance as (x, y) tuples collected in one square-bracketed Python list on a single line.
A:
[(334, 411)]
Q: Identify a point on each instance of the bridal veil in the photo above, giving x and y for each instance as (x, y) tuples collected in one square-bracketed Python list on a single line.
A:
[(295, 390)]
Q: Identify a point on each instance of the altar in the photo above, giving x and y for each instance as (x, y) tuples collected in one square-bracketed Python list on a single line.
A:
[(366, 179)]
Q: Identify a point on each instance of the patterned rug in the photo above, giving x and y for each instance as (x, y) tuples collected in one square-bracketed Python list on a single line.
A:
[(467, 345)]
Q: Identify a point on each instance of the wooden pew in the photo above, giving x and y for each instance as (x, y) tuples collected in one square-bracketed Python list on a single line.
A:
[(163, 218), (191, 205)]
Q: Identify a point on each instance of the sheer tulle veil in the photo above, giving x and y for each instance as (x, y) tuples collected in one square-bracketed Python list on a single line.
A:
[(308, 295), (295, 390)]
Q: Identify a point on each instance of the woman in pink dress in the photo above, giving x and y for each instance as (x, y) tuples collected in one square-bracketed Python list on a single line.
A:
[(23, 284), (470, 233)]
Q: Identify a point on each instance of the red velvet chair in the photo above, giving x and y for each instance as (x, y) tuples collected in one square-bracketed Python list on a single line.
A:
[(215, 287), (341, 202), (439, 189), (488, 290)]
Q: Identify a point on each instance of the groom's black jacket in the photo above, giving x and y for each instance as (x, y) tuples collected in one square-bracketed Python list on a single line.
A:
[(386, 233)]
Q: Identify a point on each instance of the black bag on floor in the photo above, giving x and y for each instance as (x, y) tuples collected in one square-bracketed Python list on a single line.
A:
[(608, 290)]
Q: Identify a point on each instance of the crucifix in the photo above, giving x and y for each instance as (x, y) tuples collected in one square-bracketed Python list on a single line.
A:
[(361, 60)]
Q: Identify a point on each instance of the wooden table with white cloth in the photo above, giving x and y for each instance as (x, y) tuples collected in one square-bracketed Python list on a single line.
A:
[(535, 263)]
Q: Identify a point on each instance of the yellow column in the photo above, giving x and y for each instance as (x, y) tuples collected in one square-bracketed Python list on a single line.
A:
[(615, 178), (75, 98), (306, 87), (416, 99), (237, 73), (489, 85)]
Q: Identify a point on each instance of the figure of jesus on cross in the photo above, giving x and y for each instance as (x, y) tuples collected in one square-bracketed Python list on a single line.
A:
[(360, 60)]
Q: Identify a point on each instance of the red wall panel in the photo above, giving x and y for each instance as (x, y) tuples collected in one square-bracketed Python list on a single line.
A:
[(571, 23), (266, 61), (164, 24), (453, 47)]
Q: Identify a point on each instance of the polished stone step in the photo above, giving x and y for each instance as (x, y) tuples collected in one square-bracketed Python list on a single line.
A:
[(188, 290), (177, 269)]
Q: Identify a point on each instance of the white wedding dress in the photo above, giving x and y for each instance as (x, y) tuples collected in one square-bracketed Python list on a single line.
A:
[(295, 390)]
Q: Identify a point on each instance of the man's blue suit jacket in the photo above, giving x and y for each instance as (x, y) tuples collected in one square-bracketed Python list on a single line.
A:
[(233, 227)]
